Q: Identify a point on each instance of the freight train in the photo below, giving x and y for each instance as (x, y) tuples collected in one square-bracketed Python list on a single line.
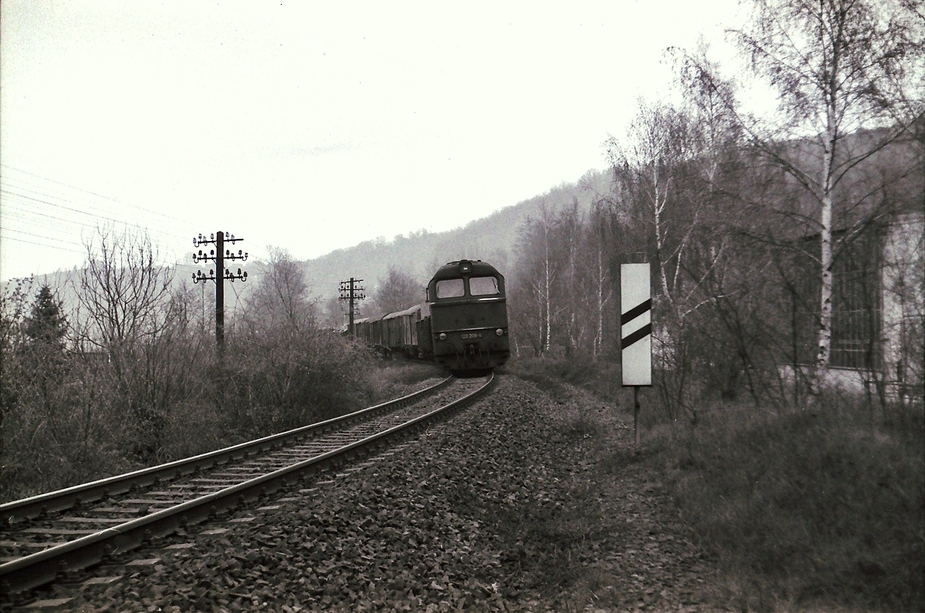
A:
[(461, 325)]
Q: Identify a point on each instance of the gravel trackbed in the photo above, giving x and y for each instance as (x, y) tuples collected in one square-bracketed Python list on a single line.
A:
[(526, 501)]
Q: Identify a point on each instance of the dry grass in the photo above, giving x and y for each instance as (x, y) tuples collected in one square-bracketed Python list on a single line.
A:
[(397, 377), (805, 509)]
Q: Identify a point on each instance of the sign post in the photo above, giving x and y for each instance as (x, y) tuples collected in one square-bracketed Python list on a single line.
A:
[(636, 332)]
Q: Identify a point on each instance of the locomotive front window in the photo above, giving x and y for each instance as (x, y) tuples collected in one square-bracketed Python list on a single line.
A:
[(483, 286), (451, 288)]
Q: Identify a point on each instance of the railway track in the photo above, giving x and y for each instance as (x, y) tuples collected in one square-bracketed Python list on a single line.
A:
[(68, 530)]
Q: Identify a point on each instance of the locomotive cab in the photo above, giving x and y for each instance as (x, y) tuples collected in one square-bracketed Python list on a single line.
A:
[(468, 316)]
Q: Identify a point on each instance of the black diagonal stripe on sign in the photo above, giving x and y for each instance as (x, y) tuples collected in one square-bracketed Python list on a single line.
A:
[(635, 312), (644, 331)]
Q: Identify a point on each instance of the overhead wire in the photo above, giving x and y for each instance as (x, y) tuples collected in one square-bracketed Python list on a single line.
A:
[(47, 203), (59, 230), (135, 206), (28, 242), (65, 211), (55, 212), (48, 192), (32, 234), (78, 211)]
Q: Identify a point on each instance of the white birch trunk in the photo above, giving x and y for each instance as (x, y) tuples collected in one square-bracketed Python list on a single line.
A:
[(546, 289)]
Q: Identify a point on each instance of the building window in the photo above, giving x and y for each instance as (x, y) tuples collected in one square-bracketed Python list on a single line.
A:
[(856, 302)]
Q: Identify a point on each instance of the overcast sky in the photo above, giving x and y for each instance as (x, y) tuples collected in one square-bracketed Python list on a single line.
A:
[(306, 125)]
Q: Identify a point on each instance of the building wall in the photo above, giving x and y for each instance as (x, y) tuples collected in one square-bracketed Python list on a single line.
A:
[(897, 312), (903, 300)]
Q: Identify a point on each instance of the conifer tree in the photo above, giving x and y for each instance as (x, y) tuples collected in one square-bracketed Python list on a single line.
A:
[(47, 323)]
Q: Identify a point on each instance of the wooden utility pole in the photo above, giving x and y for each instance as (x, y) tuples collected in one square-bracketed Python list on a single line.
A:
[(351, 291), (219, 255)]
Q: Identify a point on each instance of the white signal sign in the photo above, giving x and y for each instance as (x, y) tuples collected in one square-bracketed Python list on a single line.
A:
[(636, 324)]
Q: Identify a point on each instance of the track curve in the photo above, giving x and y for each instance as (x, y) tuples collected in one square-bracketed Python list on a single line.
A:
[(78, 527)]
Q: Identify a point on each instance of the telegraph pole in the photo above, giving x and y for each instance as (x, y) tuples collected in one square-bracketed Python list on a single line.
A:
[(218, 255), (351, 291)]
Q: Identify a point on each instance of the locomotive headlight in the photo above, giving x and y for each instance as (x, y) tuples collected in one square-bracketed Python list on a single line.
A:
[(442, 336), (499, 332)]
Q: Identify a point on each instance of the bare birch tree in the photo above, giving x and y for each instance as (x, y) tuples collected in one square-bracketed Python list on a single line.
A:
[(601, 285), (829, 62), (531, 295)]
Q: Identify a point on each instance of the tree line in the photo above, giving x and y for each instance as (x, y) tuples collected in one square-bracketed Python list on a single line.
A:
[(755, 227)]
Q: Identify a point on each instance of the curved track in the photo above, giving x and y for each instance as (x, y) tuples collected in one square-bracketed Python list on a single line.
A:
[(80, 526)]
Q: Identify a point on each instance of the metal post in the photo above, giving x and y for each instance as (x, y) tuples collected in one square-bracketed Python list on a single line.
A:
[(636, 332), (636, 414)]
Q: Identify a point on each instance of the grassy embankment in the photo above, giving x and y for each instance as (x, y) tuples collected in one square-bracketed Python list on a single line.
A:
[(804, 510)]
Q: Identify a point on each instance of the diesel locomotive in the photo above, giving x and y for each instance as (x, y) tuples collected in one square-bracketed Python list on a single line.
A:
[(462, 324)]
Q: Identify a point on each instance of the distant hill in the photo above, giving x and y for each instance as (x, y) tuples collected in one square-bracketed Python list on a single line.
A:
[(492, 239)]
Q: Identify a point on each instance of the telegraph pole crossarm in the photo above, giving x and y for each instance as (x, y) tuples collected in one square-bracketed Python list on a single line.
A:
[(219, 274), (351, 291)]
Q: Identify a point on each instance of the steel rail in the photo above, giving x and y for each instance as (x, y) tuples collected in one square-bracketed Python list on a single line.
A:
[(32, 571), (60, 500)]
